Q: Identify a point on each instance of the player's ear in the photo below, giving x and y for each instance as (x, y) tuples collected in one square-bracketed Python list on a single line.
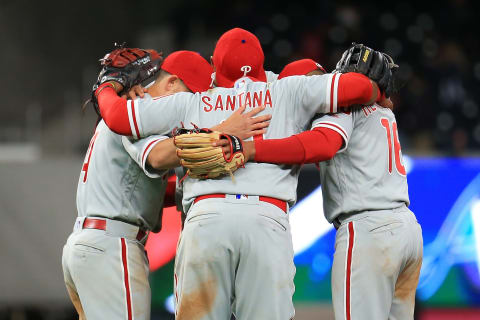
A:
[(171, 83)]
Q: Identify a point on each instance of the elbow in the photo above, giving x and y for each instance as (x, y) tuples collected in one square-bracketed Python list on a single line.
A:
[(355, 88), (115, 124), (114, 128), (365, 91), (109, 122), (330, 153)]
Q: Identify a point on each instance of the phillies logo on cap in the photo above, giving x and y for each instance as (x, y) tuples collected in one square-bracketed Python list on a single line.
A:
[(245, 70)]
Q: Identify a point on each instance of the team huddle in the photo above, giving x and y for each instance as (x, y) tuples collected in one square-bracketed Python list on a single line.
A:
[(248, 132)]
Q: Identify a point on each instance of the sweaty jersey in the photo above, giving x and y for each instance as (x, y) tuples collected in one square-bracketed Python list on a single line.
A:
[(292, 101), (116, 183), (368, 172)]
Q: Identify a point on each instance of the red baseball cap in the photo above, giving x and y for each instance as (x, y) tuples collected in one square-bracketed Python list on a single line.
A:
[(238, 53), (300, 68), (191, 68)]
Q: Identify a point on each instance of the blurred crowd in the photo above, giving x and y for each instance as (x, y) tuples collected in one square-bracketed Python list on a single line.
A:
[(53, 50)]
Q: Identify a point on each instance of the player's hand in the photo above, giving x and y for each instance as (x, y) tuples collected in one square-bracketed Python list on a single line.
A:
[(245, 125), (136, 91), (248, 148)]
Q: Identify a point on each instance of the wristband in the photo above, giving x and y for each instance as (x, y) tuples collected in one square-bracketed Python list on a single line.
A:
[(103, 86)]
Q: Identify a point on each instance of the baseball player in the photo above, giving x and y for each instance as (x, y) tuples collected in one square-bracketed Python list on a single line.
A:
[(378, 246), (235, 252), (119, 201)]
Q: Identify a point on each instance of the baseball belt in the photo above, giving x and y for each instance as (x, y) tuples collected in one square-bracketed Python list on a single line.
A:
[(276, 202), (118, 228)]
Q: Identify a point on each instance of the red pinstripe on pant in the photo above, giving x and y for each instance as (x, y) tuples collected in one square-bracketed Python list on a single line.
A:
[(126, 279), (348, 270)]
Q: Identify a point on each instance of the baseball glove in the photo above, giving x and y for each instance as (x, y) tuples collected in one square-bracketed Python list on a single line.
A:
[(376, 65), (127, 66), (204, 161)]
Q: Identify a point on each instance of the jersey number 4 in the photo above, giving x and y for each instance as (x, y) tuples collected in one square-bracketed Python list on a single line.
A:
[(392, 139), (86, 162)]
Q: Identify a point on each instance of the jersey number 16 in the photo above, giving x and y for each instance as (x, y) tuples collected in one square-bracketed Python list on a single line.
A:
[(392, 139)]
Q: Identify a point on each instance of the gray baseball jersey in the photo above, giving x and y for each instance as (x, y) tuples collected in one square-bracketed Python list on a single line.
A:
[(368, 172), (292, 101), (116, 183), (378, 244), (271, 76), (117, 188)]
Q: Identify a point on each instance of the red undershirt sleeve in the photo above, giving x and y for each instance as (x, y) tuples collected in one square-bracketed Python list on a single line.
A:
[(355, 88), (318, 144), (114, 110)]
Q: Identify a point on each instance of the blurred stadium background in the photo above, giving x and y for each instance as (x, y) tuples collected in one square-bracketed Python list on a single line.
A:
[(49, 56)]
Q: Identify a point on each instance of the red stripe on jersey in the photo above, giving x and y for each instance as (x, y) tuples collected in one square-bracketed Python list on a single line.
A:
[(85, 165), (176, 284), (146, 149), (165, 95), (348, 275), (126, 279), (329, 124), (331, 92), (176, 292), (365, 112), (135, 119)]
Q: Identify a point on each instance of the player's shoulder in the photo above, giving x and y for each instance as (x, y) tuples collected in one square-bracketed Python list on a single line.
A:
[(371, 113), (177, 95), (271, 76), (218, 91), (287, 83), (103, 132), (307, 80)]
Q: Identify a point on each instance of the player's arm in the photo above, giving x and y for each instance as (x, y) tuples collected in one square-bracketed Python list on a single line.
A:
[(329, 136), (355, 88), (113, 108), (163, 155), (326, 93), (140, 150), (141, 117), (318, 144)]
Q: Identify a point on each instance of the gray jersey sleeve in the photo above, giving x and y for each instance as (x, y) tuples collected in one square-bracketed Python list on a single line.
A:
[(309, 95), (139, 150), (342, 123), (159, 115)]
